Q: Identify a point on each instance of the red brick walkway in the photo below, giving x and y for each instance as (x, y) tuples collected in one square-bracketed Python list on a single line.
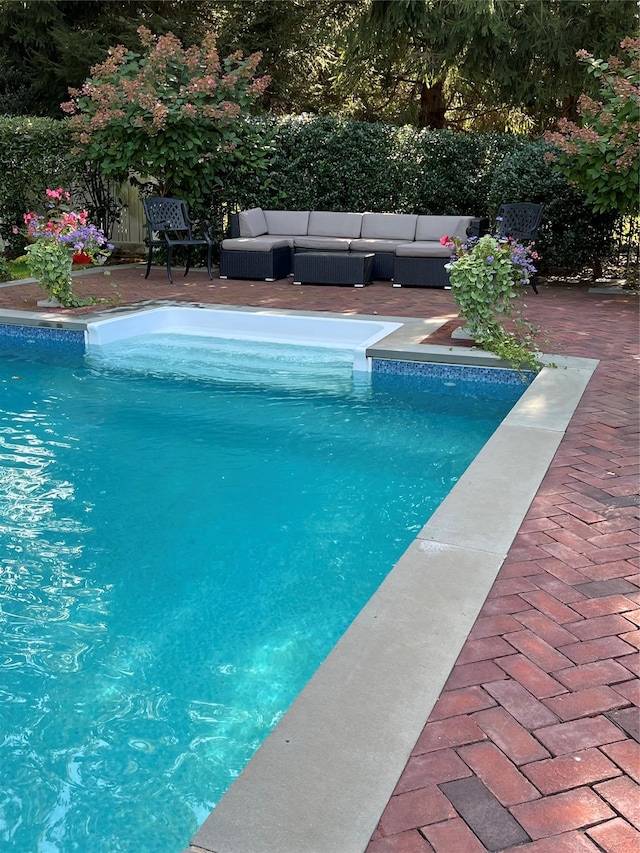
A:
[(533, 746)]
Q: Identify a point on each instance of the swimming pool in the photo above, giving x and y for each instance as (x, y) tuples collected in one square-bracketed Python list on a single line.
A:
[(173, 542), (302, 744)]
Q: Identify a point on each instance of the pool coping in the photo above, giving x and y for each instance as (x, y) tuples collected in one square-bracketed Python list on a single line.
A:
[(320, 781)]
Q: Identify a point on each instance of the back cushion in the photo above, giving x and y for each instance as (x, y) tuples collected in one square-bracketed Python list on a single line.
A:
[(390, 226), (252, 222), (326, 224), (435, 227), (291, 222)]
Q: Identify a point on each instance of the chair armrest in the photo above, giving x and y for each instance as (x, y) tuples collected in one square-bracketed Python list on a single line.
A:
[(478, 227), (234, 225)]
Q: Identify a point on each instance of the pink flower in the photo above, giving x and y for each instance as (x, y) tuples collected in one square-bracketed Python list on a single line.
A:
[(444, 241), (58, 195)]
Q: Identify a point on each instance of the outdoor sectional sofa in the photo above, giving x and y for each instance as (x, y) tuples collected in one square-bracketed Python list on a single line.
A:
[(406, 248)]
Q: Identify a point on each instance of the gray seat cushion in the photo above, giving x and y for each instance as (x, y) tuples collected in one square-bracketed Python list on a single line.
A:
[(293, 223), (326, 244), (363, 245), (435, 227), (256, 244), (323, 223), (423, 249), (252, 222), (388, 226)]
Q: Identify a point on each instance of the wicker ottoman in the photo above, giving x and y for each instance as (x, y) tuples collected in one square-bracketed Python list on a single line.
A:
[(271, 264), (355, 268), (420, 272)]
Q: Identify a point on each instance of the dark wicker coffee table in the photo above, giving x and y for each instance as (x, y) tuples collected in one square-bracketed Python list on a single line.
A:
[(355, 268)]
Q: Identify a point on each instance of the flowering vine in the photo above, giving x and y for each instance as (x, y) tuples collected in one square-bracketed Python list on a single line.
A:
[(486, 276)]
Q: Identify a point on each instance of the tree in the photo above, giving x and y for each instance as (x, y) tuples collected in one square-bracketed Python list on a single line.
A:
[(601, 155), (301, 43), (506, 64), (49, 45), (539, 70), (169, 119), (399, 50)]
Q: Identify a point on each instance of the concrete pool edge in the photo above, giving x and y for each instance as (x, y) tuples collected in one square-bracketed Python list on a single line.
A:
[(321, 780)]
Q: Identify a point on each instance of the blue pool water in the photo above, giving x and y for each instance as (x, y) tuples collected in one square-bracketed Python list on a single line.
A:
[(183, 538)]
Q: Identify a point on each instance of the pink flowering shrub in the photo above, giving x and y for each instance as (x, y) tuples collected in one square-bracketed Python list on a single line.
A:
[(168, 118), (601, 156)]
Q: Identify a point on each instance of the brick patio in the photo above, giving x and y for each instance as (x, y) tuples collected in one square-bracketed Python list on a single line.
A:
[(533, 745)]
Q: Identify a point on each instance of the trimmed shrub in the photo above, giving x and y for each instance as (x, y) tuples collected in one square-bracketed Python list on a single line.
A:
[(326, 163), (34, 155), (452, 171), (5, 270)]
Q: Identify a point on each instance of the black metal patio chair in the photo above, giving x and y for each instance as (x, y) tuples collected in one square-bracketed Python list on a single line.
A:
[(520, 221), (169, 226)]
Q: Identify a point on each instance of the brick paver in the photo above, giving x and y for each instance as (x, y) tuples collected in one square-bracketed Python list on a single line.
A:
[(566, 842), (558, 813), (624, 796), (576, 634), (532, 746), (616, 836), (553, 775), (626, 755), (501, 777)]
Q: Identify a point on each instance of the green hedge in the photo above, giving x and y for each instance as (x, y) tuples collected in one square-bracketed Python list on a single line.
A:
[(35, 153), (326, 163)]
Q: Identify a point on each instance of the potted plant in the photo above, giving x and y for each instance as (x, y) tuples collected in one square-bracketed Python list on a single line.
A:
[(54, 238), (486, 275)]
